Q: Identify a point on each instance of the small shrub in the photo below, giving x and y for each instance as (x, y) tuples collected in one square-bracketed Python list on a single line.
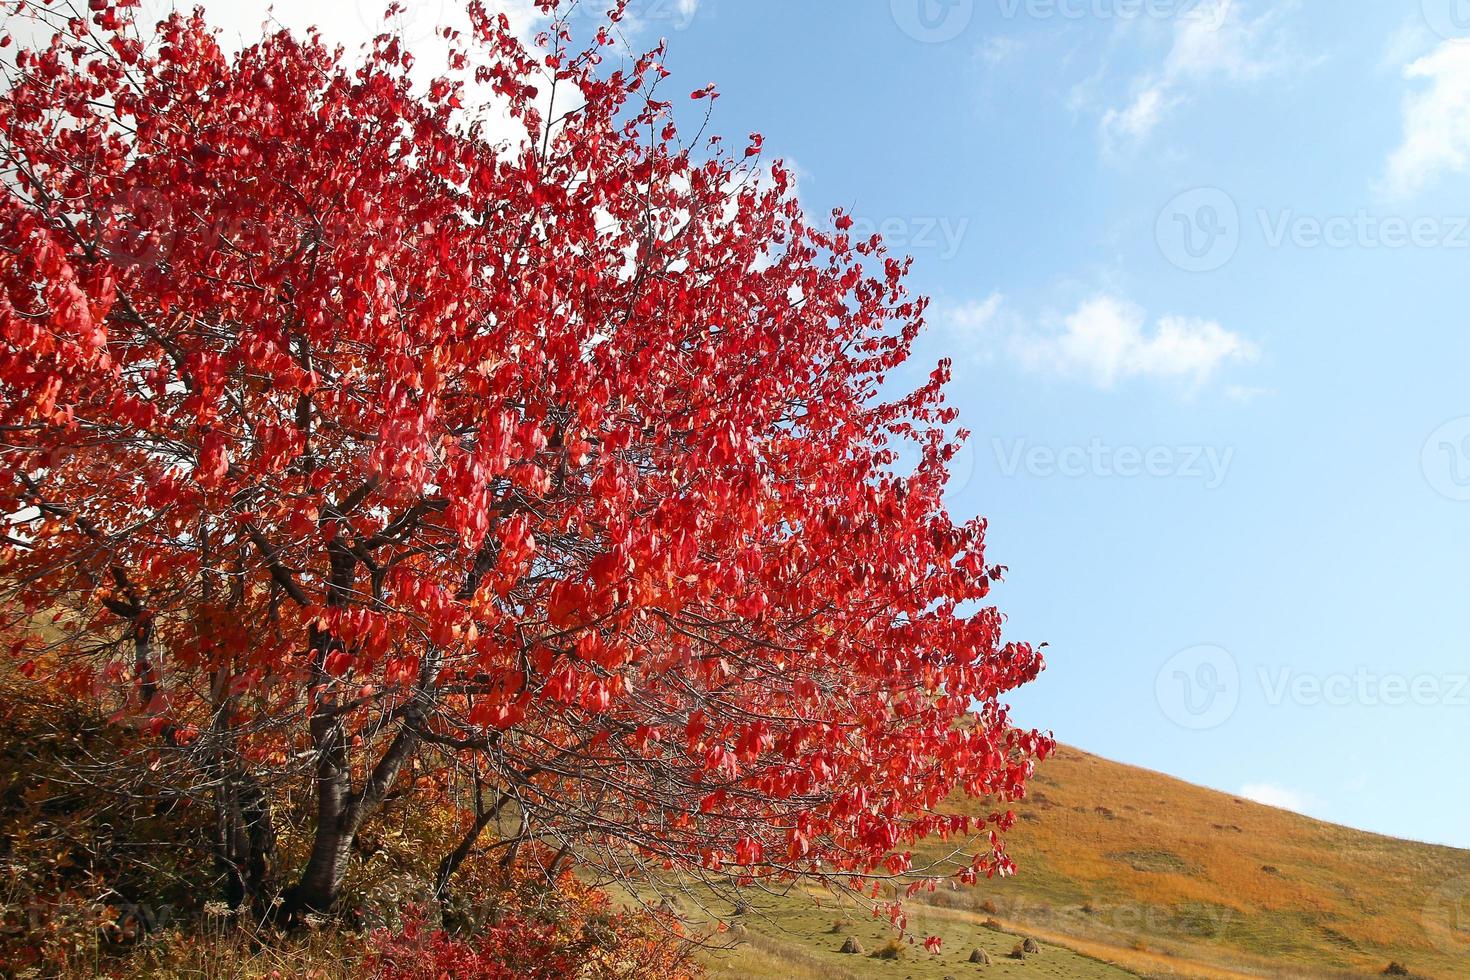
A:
[(96, 855), (538, 932), (891, 950)]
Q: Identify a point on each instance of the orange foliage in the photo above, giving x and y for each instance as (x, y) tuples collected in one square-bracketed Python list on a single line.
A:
[(541, 931)]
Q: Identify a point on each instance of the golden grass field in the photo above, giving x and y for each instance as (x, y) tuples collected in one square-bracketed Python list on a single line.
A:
[(1129, 872)]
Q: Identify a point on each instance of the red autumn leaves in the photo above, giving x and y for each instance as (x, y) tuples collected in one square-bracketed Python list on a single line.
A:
[(571, 459)]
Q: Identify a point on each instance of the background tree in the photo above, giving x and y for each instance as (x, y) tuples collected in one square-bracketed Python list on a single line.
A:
[(551, 480)]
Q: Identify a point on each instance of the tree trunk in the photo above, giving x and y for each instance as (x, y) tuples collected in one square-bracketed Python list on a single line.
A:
[(245, 845), (341, 810), (336, 826), (321, 880)]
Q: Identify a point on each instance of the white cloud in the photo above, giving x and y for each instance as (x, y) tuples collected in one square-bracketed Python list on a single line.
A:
[(1245, 394), (1232, 46), (1215, 42), (351, 22), (354, 23), (1104, 341), (976, 331), (999, 48), (1139, 119), (1410, 40), (973, 317), (1282, 799), (1436, 121)]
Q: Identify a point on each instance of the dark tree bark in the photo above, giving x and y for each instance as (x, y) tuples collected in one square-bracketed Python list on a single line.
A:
[(246, 840), (341, 810)]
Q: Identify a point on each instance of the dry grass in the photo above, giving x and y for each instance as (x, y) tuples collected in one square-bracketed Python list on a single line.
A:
[(221, 952), (1123, 857), (1129, 872)]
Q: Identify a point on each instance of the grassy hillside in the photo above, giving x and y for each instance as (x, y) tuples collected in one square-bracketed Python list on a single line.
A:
[(1129, 871), (795, 939)]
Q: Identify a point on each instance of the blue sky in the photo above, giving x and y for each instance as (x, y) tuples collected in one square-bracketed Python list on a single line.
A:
[(1204, 461), (1202, 270)]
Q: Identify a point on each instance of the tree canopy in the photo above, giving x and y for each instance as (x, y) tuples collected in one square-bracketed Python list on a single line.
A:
[(552, 479)]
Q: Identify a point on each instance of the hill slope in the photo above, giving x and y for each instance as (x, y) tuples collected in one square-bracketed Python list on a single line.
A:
[(1129, 871)]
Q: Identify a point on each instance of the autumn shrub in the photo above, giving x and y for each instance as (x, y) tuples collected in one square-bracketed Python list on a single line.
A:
[(107, 874), (95, 853), (541, 928)]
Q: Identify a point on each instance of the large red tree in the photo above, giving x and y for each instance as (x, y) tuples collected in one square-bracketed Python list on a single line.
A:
[(550, 478)]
